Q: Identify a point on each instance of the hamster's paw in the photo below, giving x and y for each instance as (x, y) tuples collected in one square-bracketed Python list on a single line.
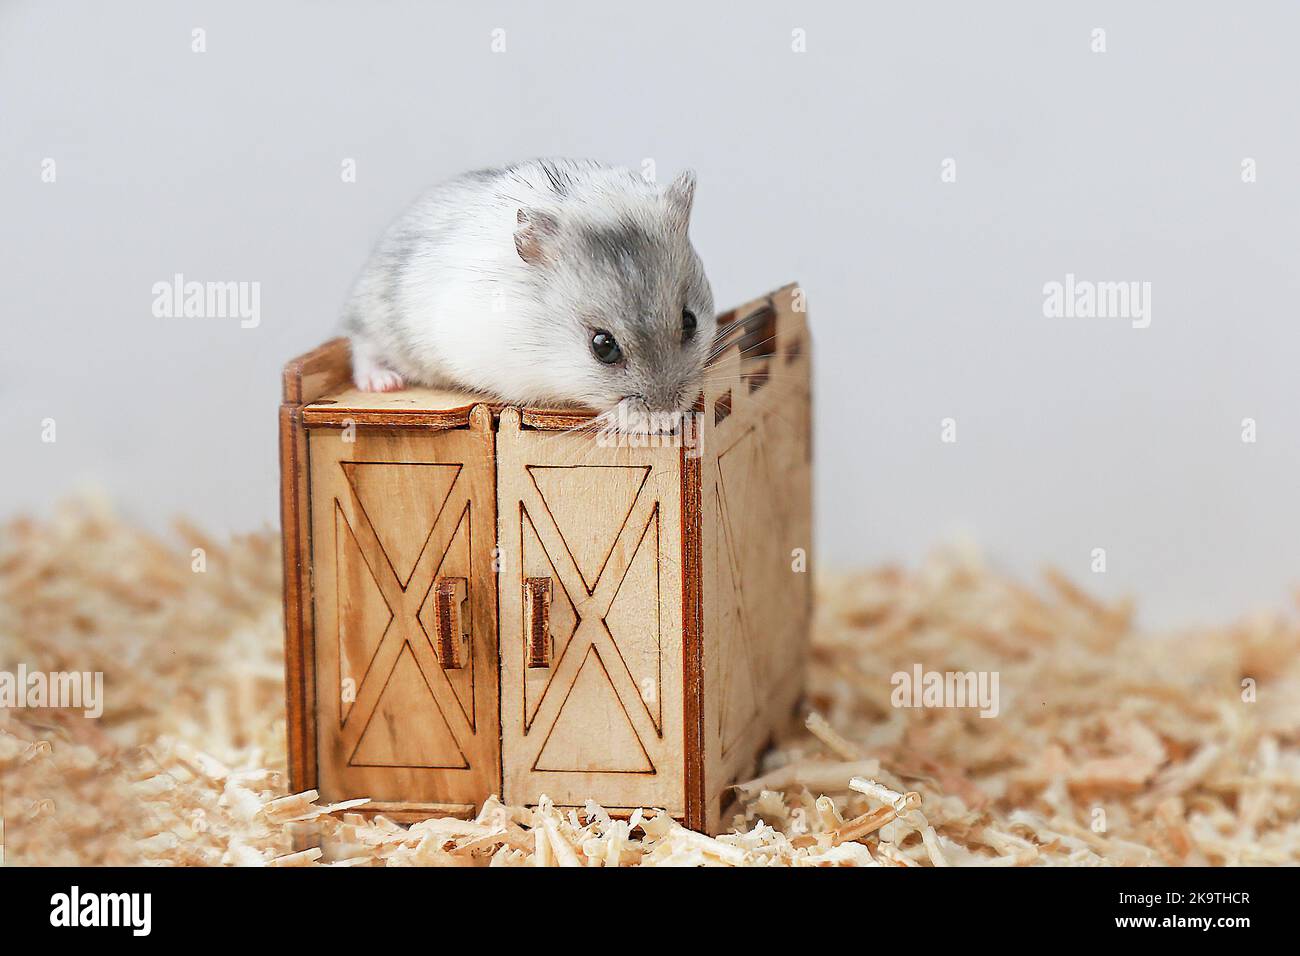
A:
[(376, 378)]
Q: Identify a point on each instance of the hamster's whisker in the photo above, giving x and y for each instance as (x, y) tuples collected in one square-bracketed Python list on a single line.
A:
[(778, 412), (720, 348), (727, 328), (733, 324), (716, 376)]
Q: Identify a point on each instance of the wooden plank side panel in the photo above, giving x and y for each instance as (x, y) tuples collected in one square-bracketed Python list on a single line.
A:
[(756, 492), (402, 717), (600, 715)]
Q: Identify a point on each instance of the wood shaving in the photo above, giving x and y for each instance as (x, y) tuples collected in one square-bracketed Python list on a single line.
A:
[(1111, 747)]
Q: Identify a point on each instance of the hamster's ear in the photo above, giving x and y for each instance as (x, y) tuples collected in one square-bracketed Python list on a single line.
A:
[(533, 233), (680, 194)]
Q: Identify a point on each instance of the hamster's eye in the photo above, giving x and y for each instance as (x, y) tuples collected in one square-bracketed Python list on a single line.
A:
[(605, 348), (688, 325)]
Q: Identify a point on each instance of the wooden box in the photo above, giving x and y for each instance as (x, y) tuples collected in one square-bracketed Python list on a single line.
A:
[(492, 600)]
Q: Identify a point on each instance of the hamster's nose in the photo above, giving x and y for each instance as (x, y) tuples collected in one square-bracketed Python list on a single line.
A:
[(666, 401)]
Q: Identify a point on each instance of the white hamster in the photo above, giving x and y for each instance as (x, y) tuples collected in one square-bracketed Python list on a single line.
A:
[(550, 281)]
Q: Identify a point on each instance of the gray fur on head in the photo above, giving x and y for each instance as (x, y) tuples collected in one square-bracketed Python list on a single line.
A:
[(620, 261)]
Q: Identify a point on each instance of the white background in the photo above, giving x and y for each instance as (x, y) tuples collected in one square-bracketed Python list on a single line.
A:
[(824, 167)]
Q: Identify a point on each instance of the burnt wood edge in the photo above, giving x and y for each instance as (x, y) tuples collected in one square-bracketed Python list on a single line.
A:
[(486, 423), (458, 416), (400, 812), (301, 767), (316, 416), (329, 365), (328, 416), (693, 641)]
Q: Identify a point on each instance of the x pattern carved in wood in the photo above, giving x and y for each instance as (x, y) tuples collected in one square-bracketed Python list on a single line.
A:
[(607, 712), (591, 603), (406, 633)]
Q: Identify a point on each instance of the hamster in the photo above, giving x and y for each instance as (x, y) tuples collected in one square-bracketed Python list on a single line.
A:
[(548, 282)]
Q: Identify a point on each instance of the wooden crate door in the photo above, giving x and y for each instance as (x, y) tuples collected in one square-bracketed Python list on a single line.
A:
[(591, 660), (403, 526)]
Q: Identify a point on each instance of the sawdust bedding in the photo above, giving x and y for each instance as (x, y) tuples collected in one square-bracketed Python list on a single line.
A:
[(1111, 746)]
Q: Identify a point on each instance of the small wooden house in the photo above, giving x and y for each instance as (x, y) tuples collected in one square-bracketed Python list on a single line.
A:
[(496, 600)]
